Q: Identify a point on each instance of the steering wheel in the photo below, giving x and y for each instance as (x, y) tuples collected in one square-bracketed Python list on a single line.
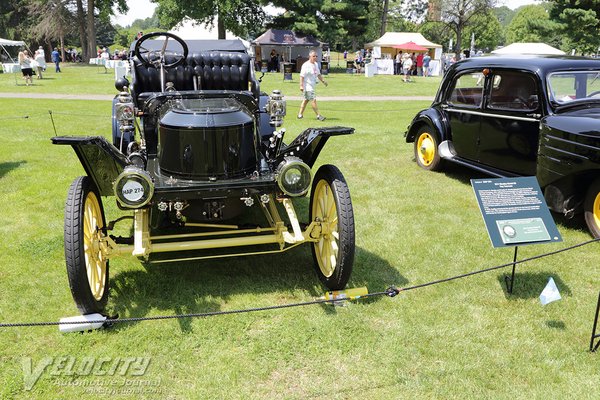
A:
[(154, 58), (522, 102)]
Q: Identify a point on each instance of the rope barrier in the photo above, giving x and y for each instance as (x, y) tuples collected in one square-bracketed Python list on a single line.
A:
[(391, 291)]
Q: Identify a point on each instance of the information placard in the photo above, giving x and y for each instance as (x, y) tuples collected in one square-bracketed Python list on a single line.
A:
[(514, 211)]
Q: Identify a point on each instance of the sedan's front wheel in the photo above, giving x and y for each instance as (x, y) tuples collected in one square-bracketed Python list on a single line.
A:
[(592, 208), (87, 265), (426, 149)]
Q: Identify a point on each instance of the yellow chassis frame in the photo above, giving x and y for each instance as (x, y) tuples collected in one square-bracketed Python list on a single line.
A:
[(144, 244)]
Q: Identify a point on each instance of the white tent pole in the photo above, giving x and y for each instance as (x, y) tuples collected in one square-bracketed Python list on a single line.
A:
[(7, 53)]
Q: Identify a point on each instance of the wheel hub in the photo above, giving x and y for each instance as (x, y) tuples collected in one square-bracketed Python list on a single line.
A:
[(426, 149)]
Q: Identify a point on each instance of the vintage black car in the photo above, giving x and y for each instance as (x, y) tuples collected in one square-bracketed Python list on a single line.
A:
[(520, 116), (196, 147)]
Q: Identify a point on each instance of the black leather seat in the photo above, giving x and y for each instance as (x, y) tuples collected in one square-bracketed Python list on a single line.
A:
[(201, 71)]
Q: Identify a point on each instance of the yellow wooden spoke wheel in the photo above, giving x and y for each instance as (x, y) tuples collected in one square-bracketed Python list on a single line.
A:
[(331, 208), (87, 265)]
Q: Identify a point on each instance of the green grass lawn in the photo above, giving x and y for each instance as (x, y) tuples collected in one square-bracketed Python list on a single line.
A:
[(462, 339)]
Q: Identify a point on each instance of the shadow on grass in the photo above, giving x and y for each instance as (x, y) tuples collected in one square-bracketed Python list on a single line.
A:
[(6, 167), (204, 286), (529, 285), (556, 324)]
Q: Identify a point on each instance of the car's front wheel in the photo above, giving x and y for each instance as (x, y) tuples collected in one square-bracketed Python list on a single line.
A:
[(331, 206), (426, 149), (592, 208), (87, 265)]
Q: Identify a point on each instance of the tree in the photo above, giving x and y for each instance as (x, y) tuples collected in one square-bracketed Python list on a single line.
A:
[(14, 20), (582, 31), (504, 15), (457, 14), (237, 16), (343, 19), (559, 6), (125, 35), (374, 16), (384, 15), (404, 15), (85, 51), (532, 24), (487, 30), (580, 23), (53, 22), (436, 31), (97, 11), (301, 17)]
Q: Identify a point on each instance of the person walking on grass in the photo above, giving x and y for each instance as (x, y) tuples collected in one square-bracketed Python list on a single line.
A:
[(56, 59), (407, 66), (40, 63), (25, 64), (309, 73)]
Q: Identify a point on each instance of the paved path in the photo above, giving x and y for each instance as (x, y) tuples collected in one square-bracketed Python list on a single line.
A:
[(58, 96)]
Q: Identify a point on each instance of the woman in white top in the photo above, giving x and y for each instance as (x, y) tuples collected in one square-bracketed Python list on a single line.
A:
[(25, 63), (40, 63)]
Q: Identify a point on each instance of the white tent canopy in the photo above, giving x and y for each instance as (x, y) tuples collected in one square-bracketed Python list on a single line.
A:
[(6, 42), (528, 48), (390, 39), (191, 29), (9, 43)]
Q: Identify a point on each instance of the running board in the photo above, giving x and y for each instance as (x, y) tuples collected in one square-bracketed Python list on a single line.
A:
[(447, 152)]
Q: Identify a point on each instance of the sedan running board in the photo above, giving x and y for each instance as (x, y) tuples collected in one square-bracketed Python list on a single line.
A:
[(447, 152)]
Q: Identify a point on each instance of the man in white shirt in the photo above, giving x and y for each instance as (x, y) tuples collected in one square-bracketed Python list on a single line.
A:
[(308, 80)]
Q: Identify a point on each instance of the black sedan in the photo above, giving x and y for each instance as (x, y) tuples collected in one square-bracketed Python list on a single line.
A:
[(520, 116)]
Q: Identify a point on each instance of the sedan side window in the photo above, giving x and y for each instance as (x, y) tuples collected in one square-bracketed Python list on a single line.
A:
[(468, 90), (513, 91)]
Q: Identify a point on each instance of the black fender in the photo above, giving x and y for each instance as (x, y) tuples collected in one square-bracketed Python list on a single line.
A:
[(568, 160), (432, 117), (101, 161), (568, 147), (309, 143)]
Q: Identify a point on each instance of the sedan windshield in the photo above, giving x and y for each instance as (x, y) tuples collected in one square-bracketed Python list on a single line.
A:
[(566, 87)]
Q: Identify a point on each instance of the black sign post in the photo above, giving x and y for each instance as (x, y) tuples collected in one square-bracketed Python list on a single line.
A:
[(595, 335), (515, 213)]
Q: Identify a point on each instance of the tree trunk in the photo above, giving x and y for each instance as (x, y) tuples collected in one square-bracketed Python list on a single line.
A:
[(458, 47), (85, 54), (384, 14), (61, 40), (47, 49), (221, 28), (91, 29)]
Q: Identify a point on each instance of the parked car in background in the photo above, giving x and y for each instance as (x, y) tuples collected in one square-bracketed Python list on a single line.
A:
[(199, 168), (520, 116)]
